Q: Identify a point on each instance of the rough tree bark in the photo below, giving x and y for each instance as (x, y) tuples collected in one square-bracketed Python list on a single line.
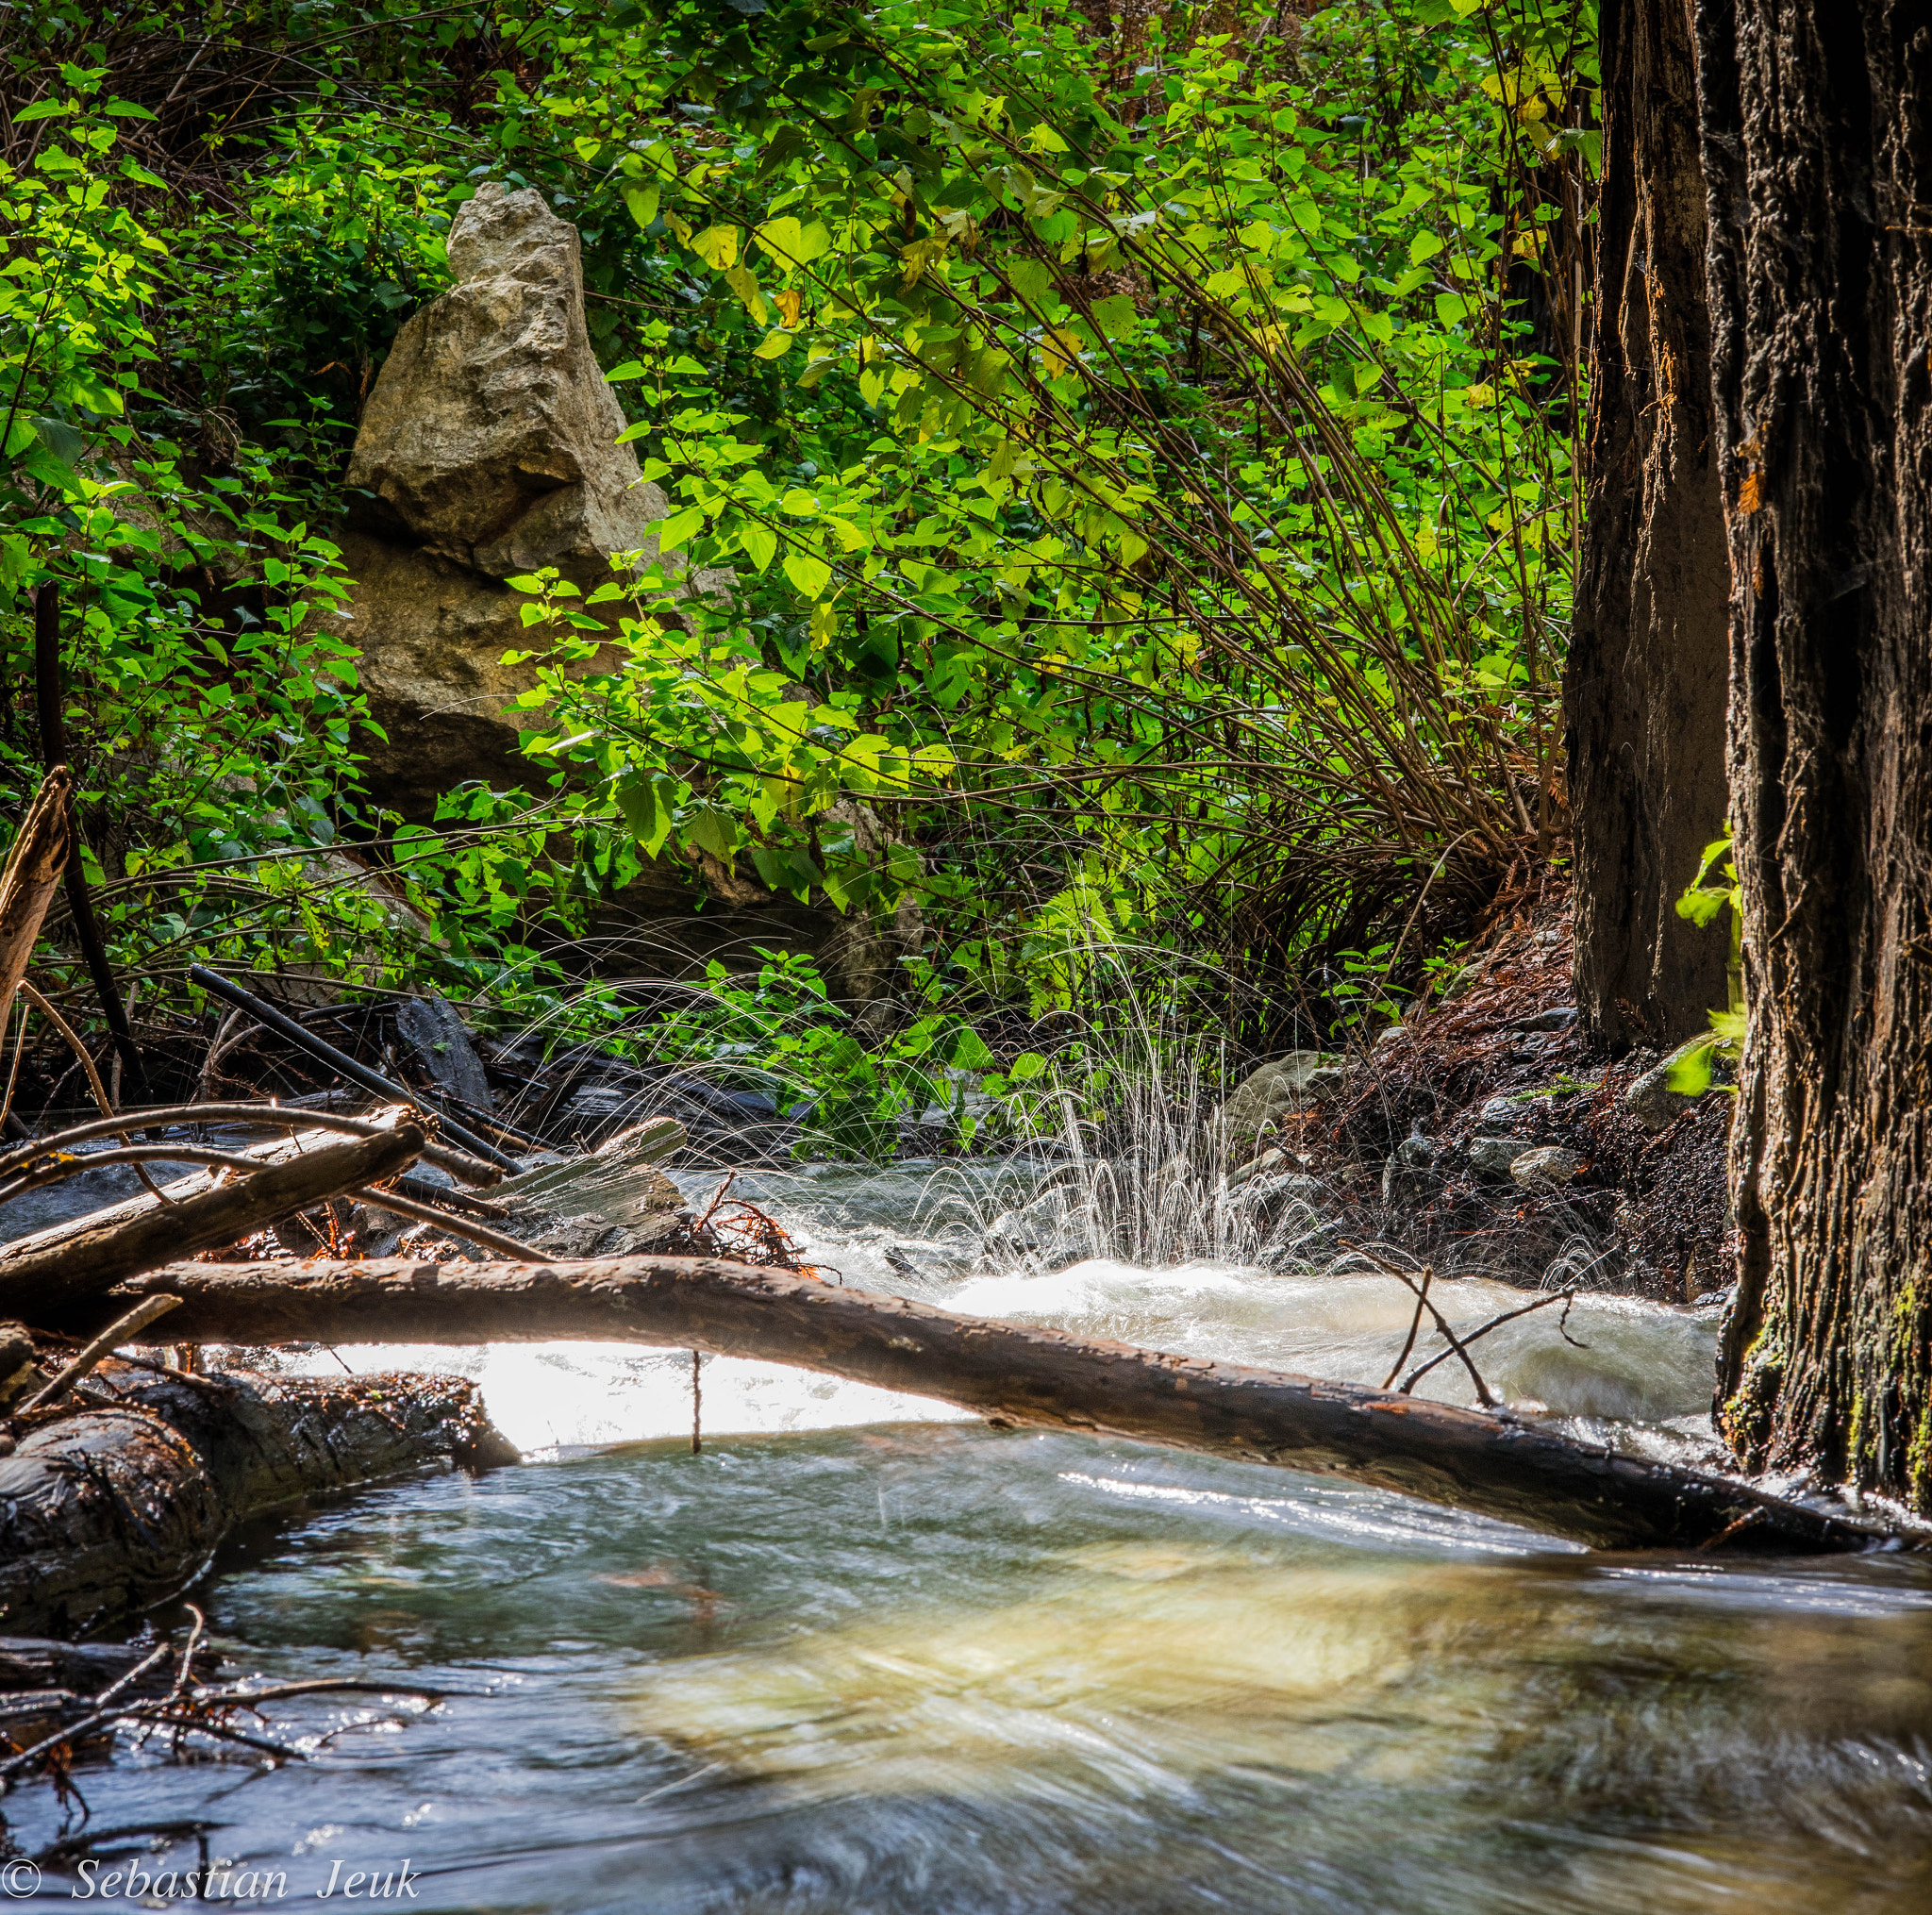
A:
[(1644, 687), (1495, 1464), (1817, 136)]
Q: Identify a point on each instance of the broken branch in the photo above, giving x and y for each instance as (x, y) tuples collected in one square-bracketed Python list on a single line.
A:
[(45, 1283)]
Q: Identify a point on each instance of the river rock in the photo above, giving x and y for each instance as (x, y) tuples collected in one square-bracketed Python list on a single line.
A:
[(1495, 1157), (1275, 1090), (1499, 1116), (1651, 1098), (1410, 1177), (1551, 1164), (431, 1029)]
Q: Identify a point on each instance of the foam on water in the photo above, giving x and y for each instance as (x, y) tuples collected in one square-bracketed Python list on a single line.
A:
[(1614, 1360)]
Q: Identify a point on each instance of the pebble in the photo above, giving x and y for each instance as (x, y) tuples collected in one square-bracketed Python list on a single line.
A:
[(1552, 1164), (1495, 1157)]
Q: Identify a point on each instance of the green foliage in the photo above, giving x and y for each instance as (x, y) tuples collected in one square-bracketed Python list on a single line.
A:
[(1693, 1069), (1138, 473)]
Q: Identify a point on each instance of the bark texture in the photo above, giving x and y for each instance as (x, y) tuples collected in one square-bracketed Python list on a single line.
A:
[(1012, 1374), (1816, 135), (1645, 682)]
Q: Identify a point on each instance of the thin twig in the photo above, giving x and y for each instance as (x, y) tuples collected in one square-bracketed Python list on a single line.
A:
[(1566, 1297)]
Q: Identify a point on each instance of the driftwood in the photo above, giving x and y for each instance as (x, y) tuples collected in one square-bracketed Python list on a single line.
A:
[(263, 1116), (1489, 1462), (108, 1513), (38, 1285), (26, 887)]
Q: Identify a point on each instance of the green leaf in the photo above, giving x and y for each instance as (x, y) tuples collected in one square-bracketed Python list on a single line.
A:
[(968, 1053), (760, 544), (643, 202), (1690, 1075), (43, 109), (809, 573), (673, 531)]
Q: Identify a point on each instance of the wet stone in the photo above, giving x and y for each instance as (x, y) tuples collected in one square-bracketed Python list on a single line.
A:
[(1552, 1164), (1495, 1157)]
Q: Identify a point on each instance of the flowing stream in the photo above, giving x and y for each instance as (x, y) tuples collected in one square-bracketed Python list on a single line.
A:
[(863, 1654)]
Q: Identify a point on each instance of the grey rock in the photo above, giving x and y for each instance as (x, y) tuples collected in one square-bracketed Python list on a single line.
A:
[(1498, 1116), (1274, 1091), (1415, 1150), (1268, 1164), (1410, 1176), (1492, 1157), (1558, 1018), (1549, 1164), (1651, 1098), (432, 1029)]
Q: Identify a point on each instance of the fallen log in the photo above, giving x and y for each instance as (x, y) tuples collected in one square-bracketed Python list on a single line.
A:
[(108, 1512), (40, 1284), (1493, 1463)]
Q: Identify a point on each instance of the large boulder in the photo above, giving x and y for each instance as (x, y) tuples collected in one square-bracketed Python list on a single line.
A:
[(490, 437), (489, 448)]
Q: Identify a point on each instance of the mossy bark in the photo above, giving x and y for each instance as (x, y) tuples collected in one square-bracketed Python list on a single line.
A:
[(1816, 127)]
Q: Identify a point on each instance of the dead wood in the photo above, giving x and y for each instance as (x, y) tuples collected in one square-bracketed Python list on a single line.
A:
[(85, 1668), (63, 1279), (122, 1330), (26, 887), (109, 1511), (267, 1116), (1489, 1462), (351, 1067)]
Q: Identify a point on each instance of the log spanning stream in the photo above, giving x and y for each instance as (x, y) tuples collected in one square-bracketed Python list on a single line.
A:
[(864, 1653)]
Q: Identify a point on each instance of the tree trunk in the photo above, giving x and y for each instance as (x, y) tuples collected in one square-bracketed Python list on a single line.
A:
[(1817, 132), (1493, 1463), (1645, 683)]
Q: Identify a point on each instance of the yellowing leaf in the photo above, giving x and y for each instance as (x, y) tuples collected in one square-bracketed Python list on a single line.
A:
[(791, 304), (717, 246), (740, 281)]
